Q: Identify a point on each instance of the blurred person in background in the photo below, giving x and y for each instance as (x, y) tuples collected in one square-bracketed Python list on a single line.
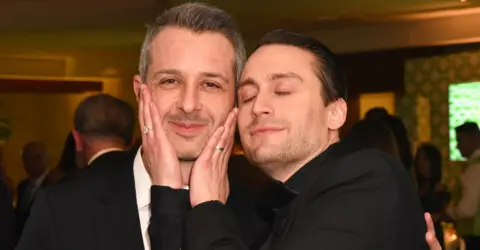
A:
[(68, 164), (399, 131), (466, 210), (373, 134), (433, 194)]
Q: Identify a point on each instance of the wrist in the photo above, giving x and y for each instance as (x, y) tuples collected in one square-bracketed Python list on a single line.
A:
[(174, 184)]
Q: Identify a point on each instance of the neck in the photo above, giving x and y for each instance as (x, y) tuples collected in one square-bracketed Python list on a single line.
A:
[(282, 171), (35, 177), (186, 170), (94, 148)]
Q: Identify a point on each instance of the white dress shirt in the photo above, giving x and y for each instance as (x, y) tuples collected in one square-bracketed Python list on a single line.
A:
[(142, 191), (467, 207), (143, 183)]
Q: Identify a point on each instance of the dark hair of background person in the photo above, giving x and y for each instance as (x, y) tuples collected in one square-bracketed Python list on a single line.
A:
[(435, 159), (373, 134), (399, 131), (105, 116), (468, 128), (403, 142), (327, 67), (68, 163), (377, 113)]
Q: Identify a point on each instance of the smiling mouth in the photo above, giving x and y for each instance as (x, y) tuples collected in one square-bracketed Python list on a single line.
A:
[(187, 129), (265, 130)]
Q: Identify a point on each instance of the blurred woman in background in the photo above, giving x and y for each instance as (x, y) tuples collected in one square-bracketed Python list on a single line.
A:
[(428, 173)]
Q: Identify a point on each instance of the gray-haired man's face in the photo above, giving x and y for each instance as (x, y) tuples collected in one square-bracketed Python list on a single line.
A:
[(192, 82)]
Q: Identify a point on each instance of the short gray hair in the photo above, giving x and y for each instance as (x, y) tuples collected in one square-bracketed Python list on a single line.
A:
[(197, 17)]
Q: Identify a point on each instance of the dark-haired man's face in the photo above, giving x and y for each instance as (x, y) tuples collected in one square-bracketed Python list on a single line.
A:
[(282, 117), (192, 82), (465, 144)]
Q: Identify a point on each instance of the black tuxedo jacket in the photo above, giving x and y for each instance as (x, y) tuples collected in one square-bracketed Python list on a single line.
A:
[(8, 236), (95, 210), (346, 198)]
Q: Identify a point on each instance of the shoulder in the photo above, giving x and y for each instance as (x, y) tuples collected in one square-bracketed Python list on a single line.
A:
[(359, 169), (369, 161)]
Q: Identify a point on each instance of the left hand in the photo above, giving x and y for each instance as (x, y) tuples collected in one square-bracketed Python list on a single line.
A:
[(432, 241), (208, 179)]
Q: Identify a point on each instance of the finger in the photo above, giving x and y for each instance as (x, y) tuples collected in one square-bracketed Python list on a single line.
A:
[(218, 154), (209, 149), (147, 117), (430, 226), (231, 139), (140, 112), (157, 124), (432, 241)]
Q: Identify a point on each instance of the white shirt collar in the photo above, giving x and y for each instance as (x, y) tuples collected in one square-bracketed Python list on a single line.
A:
[(143, 182), (101, 152)]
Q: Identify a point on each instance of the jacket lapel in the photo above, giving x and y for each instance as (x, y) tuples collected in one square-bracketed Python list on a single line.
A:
[(117, 224)]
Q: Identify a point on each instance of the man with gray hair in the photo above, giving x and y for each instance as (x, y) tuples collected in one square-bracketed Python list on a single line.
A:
[(191, 59)]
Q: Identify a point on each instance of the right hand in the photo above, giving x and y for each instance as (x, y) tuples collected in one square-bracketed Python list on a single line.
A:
[(159, 156)]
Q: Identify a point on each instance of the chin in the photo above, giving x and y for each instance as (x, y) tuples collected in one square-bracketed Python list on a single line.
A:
[(262, 156), (188, 149)]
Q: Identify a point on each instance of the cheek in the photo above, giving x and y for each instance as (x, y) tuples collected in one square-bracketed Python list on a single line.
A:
[(217, 106), (244, 118), (165, 105)]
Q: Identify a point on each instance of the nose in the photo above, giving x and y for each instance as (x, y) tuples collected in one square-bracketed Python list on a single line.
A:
[(189, 99), (262, 105)]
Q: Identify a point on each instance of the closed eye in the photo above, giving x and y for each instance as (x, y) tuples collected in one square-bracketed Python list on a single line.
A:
[(282, 93), (248, 99)]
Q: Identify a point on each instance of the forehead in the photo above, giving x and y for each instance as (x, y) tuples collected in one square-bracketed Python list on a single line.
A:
[(191, 52), (277, 59)]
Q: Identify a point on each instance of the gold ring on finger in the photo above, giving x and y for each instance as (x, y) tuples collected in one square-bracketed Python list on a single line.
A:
[(146, 130)]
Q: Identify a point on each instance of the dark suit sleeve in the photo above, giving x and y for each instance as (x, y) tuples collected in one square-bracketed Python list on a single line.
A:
[(211, 225), (169, 208), (39, 232)]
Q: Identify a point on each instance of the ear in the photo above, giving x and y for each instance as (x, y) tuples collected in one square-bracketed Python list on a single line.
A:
[(78, 140), (137, 82), (337, 114)]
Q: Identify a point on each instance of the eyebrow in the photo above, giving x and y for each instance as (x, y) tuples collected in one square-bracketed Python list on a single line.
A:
[(247, 82), (273, 77), (279, 76), (178, 73)]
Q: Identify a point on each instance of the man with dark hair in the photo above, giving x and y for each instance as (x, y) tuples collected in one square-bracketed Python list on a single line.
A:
[(466, 211), (324, 194), (73, 215), (103, 124)]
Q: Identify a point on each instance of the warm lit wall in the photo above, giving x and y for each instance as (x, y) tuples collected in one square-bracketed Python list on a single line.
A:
[(372, 100), (48, 117)]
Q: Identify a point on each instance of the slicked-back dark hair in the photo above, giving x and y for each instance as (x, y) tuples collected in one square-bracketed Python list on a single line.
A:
[(327, 67)]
